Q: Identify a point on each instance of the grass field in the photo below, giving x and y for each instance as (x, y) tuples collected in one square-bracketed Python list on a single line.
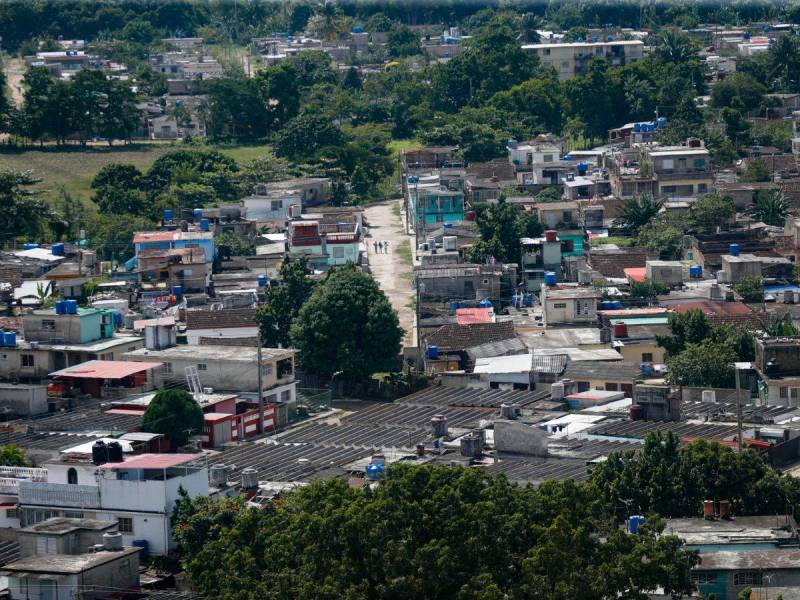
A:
[(74, 167)]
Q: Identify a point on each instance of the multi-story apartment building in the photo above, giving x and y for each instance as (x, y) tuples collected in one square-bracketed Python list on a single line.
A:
[(573, 58)]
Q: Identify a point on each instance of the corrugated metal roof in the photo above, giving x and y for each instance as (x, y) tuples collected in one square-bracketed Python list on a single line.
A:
[(105, 369)]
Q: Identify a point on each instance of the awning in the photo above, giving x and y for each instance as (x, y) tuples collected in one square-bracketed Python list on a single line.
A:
[(105, 369)]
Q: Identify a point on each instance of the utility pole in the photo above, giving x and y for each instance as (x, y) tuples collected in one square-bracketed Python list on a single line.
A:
[(738, 408), (260, 391)]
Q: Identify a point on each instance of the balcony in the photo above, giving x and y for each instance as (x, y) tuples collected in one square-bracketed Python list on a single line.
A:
[(59, 494), (675, 175)]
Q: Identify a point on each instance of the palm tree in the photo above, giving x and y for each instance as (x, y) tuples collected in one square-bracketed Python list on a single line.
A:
[(675, 47), (328, 22), (779, 325), (784, 62), (770, 207), (637, 212)]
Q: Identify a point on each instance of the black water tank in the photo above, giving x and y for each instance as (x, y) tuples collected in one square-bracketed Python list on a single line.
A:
[(99, 452), (114, 452)]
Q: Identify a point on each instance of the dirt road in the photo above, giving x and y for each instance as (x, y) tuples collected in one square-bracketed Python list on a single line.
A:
[(392, 270)]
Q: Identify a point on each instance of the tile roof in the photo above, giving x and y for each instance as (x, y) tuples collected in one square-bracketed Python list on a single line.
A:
[(460, 337), (220, 319), (612, 263)]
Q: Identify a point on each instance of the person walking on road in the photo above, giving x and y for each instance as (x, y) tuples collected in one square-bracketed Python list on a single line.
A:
[(375, 245), (380, 247), (387, 246)]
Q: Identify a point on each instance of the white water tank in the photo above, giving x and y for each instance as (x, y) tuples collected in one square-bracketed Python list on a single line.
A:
[(450, 243), (709, 396), (112, 541), (557, 390), (218, 475), (249, 478)]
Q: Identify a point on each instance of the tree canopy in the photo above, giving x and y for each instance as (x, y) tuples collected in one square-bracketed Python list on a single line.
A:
[(347, 325), (174, 413)]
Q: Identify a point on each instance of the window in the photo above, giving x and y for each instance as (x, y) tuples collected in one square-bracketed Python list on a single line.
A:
[(784, 392), (46, 545), (72, 476), (647, 357), (72, 515), (747, 578), (48, 324), (611, 387), (338, 252), (286, 395), (566, 216), (202, 367), (667, 164), (547, 158), (560, 305), (12, 513), (276, 205), (700, 163), (704, 578), (27, 360), (668, 189), (702, 188), (125, 524), (547, 51), (166, 368), (266, 369)]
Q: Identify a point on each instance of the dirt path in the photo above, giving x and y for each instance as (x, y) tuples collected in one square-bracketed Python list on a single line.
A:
[(15, 70), (392, 270)]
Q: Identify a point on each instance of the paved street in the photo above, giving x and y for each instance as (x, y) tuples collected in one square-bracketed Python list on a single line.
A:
[(392, 270)]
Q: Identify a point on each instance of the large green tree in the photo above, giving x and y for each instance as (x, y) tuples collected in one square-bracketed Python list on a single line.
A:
[(347, 325), (711, 211), (22, 212), (426, 532), (175, 414), (635, 213), (283, 302), (501, 226), (770, 207)]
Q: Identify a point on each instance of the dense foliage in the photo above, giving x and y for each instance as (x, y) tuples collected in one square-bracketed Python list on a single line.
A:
[(174, 413), (347, 325), (282, 303), (432, 532)]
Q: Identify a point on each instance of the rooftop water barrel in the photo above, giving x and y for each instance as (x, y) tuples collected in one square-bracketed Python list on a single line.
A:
[(454, 306), (448, 226), (177, 290), (485, 304), (144, 546), (582, 168), (114, 452), (634, 522), (550, 278), (637, 127), (616, 304), (551, 235), (734, 249), (29, 246), (10, 339), (695, 271), (204, 225), (527, 300), (197, 213), (57, 249), (433, 352), (262, 281), (99, 452), (2, 338), (605, 305), (620, 330), (61, 307), (112, 541), (661, 121), (374, 470), (72, 307), (168, 214)]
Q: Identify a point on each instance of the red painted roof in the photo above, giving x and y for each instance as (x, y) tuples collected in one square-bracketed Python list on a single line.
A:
[(470, 316), (105, 369), (213, 417), (153, 461), (126, 411), (636, 273)]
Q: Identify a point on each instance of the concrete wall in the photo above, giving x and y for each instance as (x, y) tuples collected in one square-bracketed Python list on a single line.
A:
[(193, 335), (24, 400), (518, 438)]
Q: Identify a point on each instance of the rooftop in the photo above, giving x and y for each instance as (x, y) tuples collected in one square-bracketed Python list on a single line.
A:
[(67, 564), (61, 525), (153, 461), (105, 369), (559, 293), (611, 371), (225, 353), (220, 319), (460, 337), (735, 531), (767, 560)]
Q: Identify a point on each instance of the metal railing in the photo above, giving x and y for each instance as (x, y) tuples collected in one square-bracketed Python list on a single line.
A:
[(59, 494)]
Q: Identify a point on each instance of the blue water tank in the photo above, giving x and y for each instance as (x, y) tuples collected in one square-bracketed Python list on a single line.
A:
[(646, 368), (610, 38), (453, 306), (582, 168), (733, 249), (637, 127), (616, 305), (198, 214), (695, 271), (262, 281), (550, 278), (2, 338), (746, 35), (634, 522), (567, 157), (60, 307), (204, 226), (57, 249), (485, 303), (144, 547), (448, 225), (605, 305), (10, 339), (29, 246), (72, 307), (118, 319), (374, 470), (527, 300), (168, 214), (433, 352), (177, 290)]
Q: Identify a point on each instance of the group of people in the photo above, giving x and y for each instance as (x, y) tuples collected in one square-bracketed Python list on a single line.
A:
[(381, 247)]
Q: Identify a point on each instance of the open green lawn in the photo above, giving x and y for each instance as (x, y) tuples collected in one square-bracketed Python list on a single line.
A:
[(75, 167)]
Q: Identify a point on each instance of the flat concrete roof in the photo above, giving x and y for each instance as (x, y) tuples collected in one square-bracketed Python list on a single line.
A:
[(66, 564)]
